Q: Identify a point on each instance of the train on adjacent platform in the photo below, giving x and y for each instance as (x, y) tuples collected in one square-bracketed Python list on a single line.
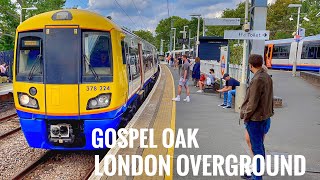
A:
[(281, 54), (75, 71)]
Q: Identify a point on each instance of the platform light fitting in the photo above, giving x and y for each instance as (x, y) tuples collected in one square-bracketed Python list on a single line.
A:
[(294, 5), (291, 18), (306, 19)]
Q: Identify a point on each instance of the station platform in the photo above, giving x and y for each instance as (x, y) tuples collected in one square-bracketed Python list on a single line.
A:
[(294, 127), (5, 88)]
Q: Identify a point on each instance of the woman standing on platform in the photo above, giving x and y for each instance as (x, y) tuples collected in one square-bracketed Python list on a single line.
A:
[(196, 71)]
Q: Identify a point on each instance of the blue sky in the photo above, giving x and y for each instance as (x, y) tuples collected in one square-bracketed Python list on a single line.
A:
[(146, 14)]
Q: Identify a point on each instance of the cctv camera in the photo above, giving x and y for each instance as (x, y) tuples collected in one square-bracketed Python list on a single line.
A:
[(246, 27)]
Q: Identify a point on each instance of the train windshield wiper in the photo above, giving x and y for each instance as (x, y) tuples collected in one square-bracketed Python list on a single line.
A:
[(35, 66), (96, 77)]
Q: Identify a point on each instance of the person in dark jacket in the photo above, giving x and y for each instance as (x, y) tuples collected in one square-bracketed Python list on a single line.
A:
[(257, 108), (196, 71)]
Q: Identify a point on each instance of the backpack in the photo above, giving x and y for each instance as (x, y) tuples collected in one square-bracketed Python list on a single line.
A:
[(209, 81)]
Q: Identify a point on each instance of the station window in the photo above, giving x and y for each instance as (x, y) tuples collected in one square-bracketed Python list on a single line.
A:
[(29, 57), (97, 54)]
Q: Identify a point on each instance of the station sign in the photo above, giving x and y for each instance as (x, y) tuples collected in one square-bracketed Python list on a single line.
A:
[(222, 21), (240, 34)]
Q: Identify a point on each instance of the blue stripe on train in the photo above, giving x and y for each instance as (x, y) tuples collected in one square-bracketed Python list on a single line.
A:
[(300, 68)]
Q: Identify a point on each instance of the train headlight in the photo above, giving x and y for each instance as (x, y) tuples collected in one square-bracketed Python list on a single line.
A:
[(27, 101), (24, 99), (93, 102), (101, 101)]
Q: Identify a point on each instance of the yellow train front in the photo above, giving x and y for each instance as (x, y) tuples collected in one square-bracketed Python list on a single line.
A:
[(71, 76)]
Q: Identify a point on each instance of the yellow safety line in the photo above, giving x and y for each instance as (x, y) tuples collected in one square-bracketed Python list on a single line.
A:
[(173, 125)]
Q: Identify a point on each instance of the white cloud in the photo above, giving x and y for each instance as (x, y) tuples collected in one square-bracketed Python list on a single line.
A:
[(147, 13)]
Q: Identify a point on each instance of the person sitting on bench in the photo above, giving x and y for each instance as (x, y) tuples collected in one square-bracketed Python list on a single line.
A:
[(228, 91), (3, 69), (206, 80)]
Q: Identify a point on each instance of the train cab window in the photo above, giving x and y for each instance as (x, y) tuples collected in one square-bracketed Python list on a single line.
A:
[(29, 58), (97, 61)]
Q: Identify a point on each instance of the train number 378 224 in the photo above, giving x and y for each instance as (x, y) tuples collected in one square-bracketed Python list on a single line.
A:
[(98, 88)]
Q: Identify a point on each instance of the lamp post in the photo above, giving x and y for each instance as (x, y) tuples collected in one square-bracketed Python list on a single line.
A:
[(203, 28), (161, 47), (30, 8), (189, 42), (184, 32), (294, 66), (197, 43), (174, 41)]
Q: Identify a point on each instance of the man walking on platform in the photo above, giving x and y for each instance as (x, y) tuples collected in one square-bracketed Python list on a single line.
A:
[(184, 76), (257, 108)]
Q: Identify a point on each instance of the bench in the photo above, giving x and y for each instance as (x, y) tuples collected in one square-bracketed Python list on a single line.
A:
[(213, 87)]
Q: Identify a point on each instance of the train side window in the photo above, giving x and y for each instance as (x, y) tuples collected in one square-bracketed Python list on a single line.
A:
[(281, 51), (311, 50), (318, 52), (124, 47), (134, 63)]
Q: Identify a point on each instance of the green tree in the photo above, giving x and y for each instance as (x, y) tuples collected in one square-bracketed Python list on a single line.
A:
[(146, 35), (311, 8), (278, 19), (164, 27), (10, 17)]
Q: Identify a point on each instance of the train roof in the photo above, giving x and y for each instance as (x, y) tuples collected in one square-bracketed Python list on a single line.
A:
[(290, 40), (85, 19), (128, 32)]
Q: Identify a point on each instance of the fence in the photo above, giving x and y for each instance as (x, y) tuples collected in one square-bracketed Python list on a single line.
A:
[(234, 70)]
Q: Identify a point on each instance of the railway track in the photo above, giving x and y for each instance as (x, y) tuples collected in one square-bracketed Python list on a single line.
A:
[(33, 165), (63, 164), (6, 123), (8, 117), (6, 105)]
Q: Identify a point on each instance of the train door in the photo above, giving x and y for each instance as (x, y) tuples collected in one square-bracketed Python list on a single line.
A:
[(268, 55), (153, 61), (62, 54), (126, 61), (140, 56)]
